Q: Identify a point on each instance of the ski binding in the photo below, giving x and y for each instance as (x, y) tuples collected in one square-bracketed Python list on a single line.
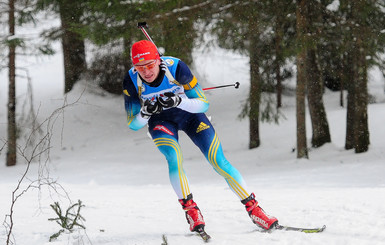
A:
[(203, 234)]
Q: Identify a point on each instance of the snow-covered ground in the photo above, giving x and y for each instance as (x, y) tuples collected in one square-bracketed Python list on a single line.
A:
[(122, 179)]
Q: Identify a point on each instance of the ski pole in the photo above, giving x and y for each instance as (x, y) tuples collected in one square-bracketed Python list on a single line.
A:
[(235, 85), (142, 26)]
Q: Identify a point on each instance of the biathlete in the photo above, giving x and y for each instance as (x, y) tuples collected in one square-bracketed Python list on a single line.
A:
[(161, 92)]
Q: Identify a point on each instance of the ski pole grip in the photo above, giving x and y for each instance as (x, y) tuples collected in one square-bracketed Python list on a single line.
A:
[(142, 25), (236, 85)]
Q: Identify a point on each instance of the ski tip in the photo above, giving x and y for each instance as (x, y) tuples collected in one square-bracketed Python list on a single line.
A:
[(316, 230), (305, 230)]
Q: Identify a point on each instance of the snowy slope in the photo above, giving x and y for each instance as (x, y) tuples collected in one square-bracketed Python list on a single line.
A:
[(122, 179)]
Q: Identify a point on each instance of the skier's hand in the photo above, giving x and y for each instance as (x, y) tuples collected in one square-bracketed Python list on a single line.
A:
[(150, 108), (169, 100)]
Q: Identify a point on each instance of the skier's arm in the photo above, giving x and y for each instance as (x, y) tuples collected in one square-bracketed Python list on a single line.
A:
[(196, 101), (135, 120)]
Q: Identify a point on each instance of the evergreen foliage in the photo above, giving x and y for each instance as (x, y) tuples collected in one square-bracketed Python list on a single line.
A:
[(113, 25), (69, 220), (265, 31)]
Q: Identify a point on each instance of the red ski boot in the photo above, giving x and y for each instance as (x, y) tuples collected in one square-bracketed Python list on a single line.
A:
[(193, 214), (257, 215)]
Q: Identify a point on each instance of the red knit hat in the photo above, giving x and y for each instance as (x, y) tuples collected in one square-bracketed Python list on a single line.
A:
[(143, 50)]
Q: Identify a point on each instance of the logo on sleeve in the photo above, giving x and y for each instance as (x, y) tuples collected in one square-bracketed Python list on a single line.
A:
[(169, 62), (202, 126)]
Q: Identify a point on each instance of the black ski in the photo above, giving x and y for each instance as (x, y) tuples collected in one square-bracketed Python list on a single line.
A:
[(203, 234), (305, 230)]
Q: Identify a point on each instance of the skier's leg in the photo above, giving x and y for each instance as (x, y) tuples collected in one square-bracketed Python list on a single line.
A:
[(204, 136), (165, 137), (202, 133)]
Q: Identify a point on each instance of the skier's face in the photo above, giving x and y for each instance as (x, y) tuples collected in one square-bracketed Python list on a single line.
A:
[(148, 69)]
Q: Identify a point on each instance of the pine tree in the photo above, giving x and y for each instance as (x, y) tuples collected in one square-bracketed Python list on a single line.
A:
[(70, 12), (19, 12), (113, 24), (302, 11), (364, 41), (12, 44), (314, 81), (241, 27)]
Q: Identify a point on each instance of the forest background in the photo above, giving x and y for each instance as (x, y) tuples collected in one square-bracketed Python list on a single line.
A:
[(320, 45), (333, 43)]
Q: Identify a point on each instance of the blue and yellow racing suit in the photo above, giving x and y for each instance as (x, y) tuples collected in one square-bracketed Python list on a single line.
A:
[(188, 116)]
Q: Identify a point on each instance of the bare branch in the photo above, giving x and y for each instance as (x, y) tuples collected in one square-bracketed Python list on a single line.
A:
[(39, 148)]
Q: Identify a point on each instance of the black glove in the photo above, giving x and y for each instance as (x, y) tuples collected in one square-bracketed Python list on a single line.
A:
[(149, 108), (169, 100)]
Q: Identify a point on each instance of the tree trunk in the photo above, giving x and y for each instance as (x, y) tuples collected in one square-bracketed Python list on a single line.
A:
[(255, 87), (342, 81), (72, 43), (127, 57), (300, 107), (255, 95), (127, 42), (361, 128), (350, 76), (12, 127), (301, 80), (357, 135), (278, 60), (320, 126)]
